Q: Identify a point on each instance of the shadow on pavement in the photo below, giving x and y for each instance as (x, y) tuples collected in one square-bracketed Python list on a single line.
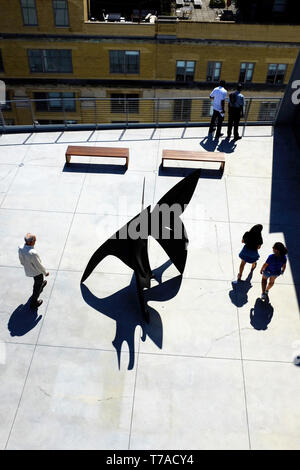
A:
[(261, 314), (285, 197), (123, 307), (239, 293), (23, 319), (94, 168)]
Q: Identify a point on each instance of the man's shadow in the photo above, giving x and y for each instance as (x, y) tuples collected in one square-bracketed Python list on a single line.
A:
[(227, 145), (209, 143), (239, 293), (23, 319), (124, 308), (261, 314)]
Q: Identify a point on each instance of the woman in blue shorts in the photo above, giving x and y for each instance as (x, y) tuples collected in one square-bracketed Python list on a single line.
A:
[(249, 254), (273, 267)]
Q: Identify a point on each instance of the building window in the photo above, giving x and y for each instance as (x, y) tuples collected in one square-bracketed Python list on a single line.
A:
[(55, 101), (276, 73), (1, 63), (279, 6), (185, 70), (124, 61), (213, 71), (267, 111), (61, 14), (29, 12), (124, 103), (246, 72), (207, 108), (182, 110), (50, 60)]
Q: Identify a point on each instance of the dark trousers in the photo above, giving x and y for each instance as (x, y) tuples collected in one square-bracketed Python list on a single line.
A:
[(216, 119), (37, 289), (234, 116)]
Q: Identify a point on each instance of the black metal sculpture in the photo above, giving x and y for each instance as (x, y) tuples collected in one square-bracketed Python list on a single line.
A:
[(130, 243)]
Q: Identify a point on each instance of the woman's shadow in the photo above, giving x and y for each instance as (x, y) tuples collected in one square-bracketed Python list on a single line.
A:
[(124, 308), (239, 293), (23, 319), (261, 314)]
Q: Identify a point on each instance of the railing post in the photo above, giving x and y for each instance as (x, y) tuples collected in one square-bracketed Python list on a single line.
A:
[(126, 105), (32, 112), (246, 115), (95, 112), (157, 110), (64, 111)]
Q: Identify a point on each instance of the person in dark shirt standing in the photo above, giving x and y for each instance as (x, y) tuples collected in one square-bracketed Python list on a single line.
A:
[(236, 104), (249, 254), (273, 267)]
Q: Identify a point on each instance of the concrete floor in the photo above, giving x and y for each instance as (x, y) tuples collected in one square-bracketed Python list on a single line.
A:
[(214, 368)]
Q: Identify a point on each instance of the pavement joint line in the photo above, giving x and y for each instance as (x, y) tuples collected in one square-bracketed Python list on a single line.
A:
[(42, 322), (62, 270), (145, 353), (134, 389), (13, 179), (239, 328)]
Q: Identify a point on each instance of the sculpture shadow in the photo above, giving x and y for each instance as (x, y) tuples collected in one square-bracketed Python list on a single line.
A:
[(123, 307), (239, 293), (261, 314), (23, 319), (75, 167)]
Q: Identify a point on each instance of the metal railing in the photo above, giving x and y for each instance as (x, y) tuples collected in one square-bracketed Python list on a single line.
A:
[(108, 113)]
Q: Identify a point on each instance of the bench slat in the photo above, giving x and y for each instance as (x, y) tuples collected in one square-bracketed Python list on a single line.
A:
[(194, 156), (87, 151)]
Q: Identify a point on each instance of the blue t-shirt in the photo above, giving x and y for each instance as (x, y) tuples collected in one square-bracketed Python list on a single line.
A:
[(275, 264)]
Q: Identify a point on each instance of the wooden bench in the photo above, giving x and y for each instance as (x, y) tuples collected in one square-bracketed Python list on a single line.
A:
[(194, 156), (87, 151)]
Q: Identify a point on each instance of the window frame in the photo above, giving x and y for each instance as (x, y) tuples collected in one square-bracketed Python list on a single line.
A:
[(207, 108), (53, 109), (182, 102), (214, 68), (263, 112), (29, 8), (65, 9), (123, 63), (44, 59), (128, 107), (185, 71), (274, 82), (246, 70)]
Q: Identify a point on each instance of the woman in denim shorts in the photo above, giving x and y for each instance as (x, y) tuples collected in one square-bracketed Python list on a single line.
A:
[(273, 267), (249, 254)]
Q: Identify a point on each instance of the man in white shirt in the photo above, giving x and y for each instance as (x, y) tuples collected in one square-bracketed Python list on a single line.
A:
[(219, 96), (33, 267)]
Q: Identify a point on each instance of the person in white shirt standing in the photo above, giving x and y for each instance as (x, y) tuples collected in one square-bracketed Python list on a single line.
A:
[(219, 97), (33, 267)]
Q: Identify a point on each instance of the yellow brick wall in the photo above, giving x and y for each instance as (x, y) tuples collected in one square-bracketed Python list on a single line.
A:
[(12, 20), (91, 59)]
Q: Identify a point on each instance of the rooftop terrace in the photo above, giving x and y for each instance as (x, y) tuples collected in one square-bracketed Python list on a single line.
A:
[(214, 368)]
